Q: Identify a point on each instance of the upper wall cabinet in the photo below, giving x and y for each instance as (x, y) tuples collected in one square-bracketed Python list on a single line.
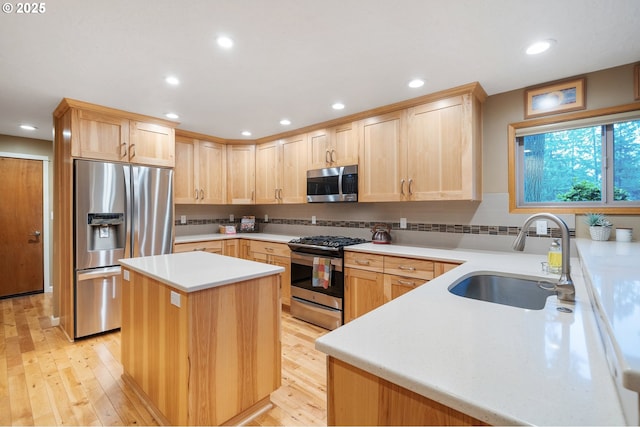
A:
[(200, 172), (335, 146), (104, 134), (281, 171), (426, 152), (241, 174)]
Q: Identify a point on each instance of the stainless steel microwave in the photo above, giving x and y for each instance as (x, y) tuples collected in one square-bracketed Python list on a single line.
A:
[(339, 184)]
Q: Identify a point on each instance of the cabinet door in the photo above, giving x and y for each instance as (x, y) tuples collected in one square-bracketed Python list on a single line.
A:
[(267, 173), (293, 170), (364, 291), (440, 151), (398, 285), (241, 175), (151, 144), (343, 149), (184, 187), (231, 247), (211, 167), (99, 136), (319, 152), (382, 158), (285, 277)]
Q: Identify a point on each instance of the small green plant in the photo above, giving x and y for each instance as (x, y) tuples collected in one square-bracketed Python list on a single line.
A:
[(597, 220)]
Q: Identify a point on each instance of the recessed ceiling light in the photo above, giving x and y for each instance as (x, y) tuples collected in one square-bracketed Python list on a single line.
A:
[(224, 42), (172, 80), (338, 106), (246, 133), (171, 116), (28, 127), (415, 83), (285, 122), (540, 46)]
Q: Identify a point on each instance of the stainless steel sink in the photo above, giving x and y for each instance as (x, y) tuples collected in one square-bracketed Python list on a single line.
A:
[(514, 291)]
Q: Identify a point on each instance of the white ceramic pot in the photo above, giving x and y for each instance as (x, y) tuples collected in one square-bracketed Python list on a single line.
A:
[(600, 233)]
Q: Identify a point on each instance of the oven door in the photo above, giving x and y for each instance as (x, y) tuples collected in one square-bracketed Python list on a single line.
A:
[(302, 273)]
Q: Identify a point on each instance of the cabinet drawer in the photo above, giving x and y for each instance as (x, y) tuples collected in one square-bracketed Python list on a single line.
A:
[(214, 246), (269, 248), (398, 285), (409, 267), (364, 261)]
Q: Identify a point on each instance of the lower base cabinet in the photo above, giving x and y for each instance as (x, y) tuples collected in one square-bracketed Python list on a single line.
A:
[(276, 254), (356, 397)]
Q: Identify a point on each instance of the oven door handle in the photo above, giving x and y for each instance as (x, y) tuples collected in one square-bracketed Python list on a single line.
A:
[(307, 260)]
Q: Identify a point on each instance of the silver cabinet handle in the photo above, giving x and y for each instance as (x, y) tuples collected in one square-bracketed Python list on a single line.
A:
[(275, 193), (195, 193), (410, 186), (123, 154), (327, 156), (132, 151), (362, 262), (280, 193), (406, 268), (331, 156), (407, 282), (402, 186), (201, 194)]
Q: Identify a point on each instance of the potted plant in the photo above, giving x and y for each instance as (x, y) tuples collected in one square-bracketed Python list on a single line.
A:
[(599, 226)]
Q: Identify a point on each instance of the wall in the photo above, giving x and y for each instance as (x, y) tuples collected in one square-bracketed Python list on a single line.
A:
[(34, 147), (491, 223)]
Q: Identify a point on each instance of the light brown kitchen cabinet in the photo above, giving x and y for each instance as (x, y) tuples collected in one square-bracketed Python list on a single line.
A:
[(332, 147), (276, 254), (200, 172), (212, 246), (231, 247), (104, 134), (372, 280), (281, 171), (241, 174), (431, 151)]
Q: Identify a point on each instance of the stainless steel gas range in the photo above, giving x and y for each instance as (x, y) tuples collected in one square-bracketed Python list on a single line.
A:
[(317, 279)]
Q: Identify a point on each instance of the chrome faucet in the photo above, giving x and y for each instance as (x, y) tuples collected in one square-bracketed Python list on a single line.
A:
[(564, 289)]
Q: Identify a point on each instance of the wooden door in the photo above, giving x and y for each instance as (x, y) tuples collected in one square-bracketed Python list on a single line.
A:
[(382, 158), (439, 151), (184, 186), (267, 173), (21, 249), (241, 174), (363, 292), (344, 145), (151, 144), (211, 170), (99, 136), (293, 170), (319, 149)]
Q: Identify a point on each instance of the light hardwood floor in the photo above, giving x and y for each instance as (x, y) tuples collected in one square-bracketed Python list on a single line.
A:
[(47, 380)]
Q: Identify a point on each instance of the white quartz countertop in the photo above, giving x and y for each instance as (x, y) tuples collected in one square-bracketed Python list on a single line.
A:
[(276, 238), (500, 364), (198, 270), (613, 269)]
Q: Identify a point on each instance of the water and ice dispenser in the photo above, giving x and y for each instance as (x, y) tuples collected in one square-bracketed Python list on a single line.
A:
[(105, 231)]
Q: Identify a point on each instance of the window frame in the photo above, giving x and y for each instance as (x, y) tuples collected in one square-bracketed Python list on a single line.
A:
[(513, 169)]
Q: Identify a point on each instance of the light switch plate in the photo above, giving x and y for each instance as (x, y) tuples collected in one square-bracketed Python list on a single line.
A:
[(183, 219), (403, 222), (175, 298), (266, 218), (541, 227), (231, 218), (313, 219)]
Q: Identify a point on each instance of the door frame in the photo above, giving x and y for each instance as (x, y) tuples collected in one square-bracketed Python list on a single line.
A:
[(46, 253)]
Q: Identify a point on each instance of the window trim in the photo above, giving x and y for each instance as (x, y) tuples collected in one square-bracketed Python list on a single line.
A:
[(512, 129)]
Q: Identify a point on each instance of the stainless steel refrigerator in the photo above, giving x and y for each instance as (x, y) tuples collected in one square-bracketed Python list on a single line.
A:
[(121, 211)]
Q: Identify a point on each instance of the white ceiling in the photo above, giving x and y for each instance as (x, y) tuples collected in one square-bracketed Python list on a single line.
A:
[(292, 58)]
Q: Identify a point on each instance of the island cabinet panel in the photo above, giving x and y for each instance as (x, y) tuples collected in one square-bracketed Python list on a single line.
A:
[(357, 397), (211, 360)]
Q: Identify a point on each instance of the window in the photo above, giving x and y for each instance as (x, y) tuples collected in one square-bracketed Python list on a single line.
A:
[(587, 163)]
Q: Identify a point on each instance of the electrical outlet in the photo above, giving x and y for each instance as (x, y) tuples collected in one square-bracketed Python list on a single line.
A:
[(125, 275), (313, 219), (183, 219), (231, 218), (403, 222), (266, 218), (541, 228), (175, 298)]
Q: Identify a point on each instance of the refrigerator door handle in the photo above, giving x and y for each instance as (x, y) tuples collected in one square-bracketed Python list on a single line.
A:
[(102, 272), (129, 212)]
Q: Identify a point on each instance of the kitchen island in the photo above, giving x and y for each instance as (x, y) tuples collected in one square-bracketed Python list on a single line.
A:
[(432, 357), (201, 336)]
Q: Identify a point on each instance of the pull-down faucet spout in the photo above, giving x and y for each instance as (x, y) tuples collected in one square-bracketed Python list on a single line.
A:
[(564, 289)]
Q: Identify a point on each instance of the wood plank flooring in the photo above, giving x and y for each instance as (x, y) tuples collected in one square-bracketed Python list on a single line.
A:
[(46, 380)]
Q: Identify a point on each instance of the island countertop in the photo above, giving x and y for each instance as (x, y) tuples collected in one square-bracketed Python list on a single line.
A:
[(499, 364), (198, 270)]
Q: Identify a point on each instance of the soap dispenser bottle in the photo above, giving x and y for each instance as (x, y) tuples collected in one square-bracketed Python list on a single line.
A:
[(554, 257)]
